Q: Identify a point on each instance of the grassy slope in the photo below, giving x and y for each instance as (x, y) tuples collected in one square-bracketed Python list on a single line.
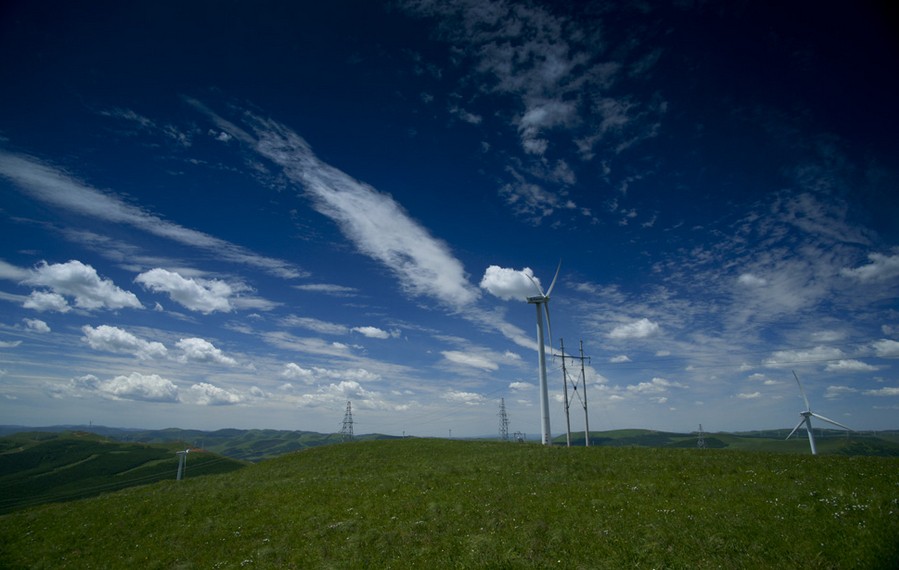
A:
[(36, 468), (454, 504)]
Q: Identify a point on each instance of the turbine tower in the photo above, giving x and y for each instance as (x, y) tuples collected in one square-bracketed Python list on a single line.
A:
[(807, 419), (541, 301)]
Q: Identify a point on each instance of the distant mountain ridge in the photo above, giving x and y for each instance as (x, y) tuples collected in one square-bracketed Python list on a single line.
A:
[(259, 444)]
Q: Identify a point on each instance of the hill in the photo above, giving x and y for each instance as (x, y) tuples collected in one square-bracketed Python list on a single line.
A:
[(241, 444), (421, 503), (40, 467)]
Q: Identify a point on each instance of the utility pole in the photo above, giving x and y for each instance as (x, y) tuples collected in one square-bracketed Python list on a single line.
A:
[(700, 440), (583, 382), (346, 432), (565, 387), (503, 421)]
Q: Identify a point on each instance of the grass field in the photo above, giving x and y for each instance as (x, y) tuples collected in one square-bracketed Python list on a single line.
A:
[(37, 468), (420, 503)]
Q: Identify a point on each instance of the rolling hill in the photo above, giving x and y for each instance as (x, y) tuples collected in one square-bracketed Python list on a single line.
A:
[(429, 503), (40, 467)]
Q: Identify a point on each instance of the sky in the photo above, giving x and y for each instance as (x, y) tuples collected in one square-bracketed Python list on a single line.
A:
[(247, 214)]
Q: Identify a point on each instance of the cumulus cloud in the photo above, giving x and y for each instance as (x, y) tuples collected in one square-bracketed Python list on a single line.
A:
[(42, 301), (751, 280), (469, 359), (749, 395), (372, 332), (655, 386), (509, 284), (520, 386), (36, 325), (467, 398), (317, 325), (619, 359), (79, 281), (114, 339), (210, 395), (135, 386), (10, 343), (201, 295), (886, 348), (637, 329), (294, 371), (201, 350)]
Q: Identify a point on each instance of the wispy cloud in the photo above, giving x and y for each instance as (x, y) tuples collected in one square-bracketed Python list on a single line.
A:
[(59, 189)]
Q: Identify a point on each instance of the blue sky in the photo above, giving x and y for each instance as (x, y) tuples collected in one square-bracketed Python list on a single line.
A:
[(245, 215)]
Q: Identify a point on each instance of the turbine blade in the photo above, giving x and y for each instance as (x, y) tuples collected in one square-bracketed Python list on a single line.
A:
[(795, 428), (828, 420), (549, 326), (556, 276), (801, 391), (536, 286)]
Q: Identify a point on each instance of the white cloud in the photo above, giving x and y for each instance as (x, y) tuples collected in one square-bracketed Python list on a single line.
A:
[(136, 386), (201, 295), (10, 343), (749, 396), (294, 371), (319, 326), (36, 325), (469, 359), (509, 284), (520, 386), (816, 354), (42, 301), (637, 329), (849, 365), (888, 391), (751, 280), (619, 359), (372, 332), (201, 350), (114, 339), (881, 268), (467, 398), (77, 280), (374, 222), (886, 348), (655, 386), (54, 187), (210, 395), (835, 392)]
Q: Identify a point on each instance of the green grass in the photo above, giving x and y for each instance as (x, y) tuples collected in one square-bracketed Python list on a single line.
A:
[(455, 504), (37, 468)]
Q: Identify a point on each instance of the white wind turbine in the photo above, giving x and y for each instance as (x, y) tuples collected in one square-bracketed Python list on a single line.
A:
[(182, 462), (807, 419), (541, 301)]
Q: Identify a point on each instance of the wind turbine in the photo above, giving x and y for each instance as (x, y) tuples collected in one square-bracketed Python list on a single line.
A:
[(541, 301), (807, 419), (182, 462)]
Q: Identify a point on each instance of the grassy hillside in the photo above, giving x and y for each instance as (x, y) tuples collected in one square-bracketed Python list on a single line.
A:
[(419, 503), (38, 467)]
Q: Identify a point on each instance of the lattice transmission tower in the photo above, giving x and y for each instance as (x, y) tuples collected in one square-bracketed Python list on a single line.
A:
[(700, 439), (346, 432), (503, 420)]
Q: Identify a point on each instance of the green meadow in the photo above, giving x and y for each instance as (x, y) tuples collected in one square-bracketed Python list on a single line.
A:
[(431, 503)]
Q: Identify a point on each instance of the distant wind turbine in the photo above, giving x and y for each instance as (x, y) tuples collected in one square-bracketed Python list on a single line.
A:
[(182, 462), (541, 301), (807, 419)]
